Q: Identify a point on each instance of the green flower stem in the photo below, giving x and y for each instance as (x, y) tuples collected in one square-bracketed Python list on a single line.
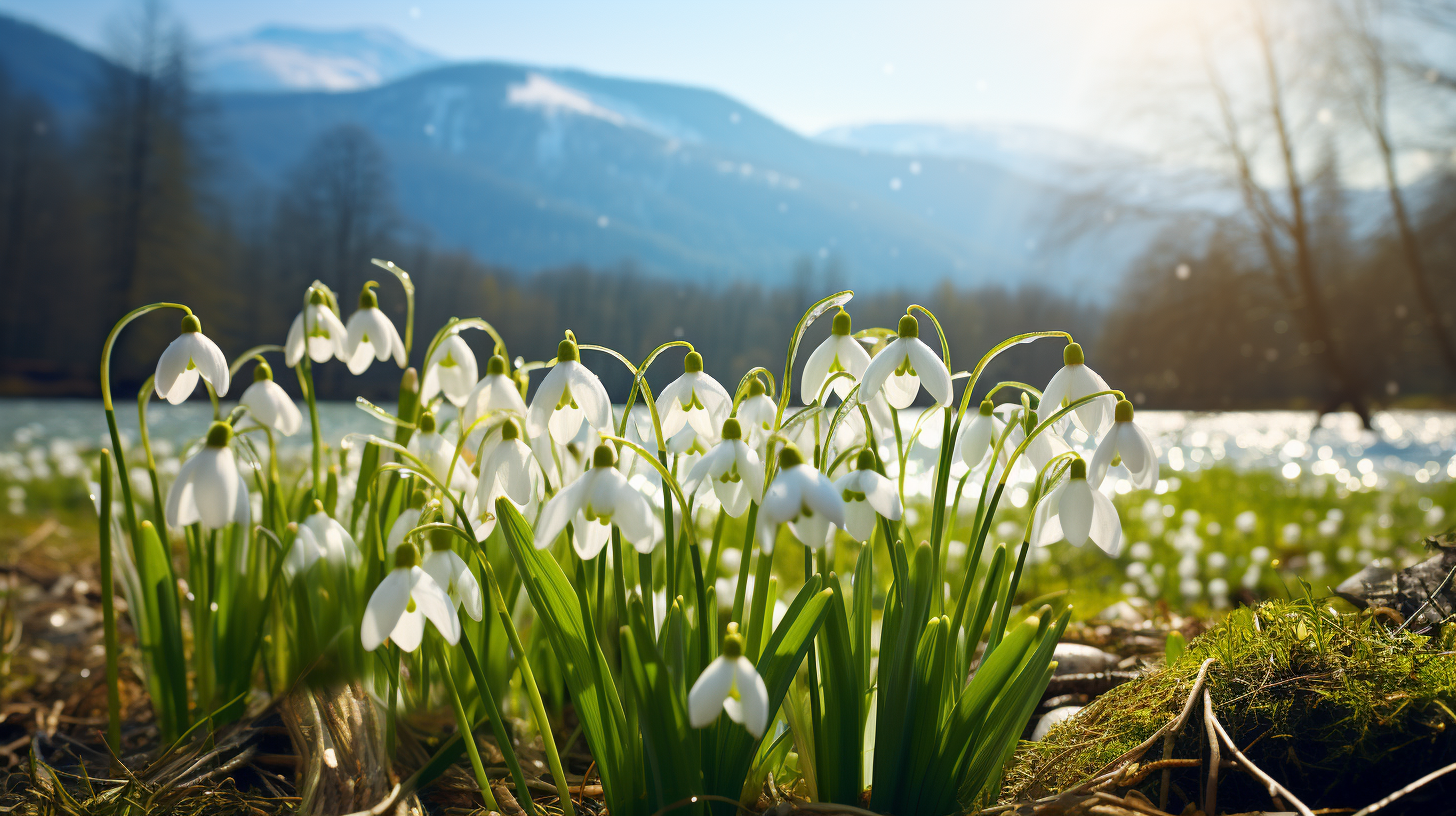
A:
[(710, 573), (644, 575), (991, 355), (619, 581), (144, 397), (498, 726), (937, 510), (462, 724), (108, 613), (811, 667), (1003, 609), (390, 741), (745, 555), (760, 599), (409, 298), (304, 369)]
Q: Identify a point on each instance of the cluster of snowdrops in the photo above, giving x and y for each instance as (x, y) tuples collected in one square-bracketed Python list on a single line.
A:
[(551, 492)]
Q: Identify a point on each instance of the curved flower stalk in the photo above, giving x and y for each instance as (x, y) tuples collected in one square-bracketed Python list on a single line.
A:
[(191, 355), (452, 370), (495, 393), (509, 470), (866, 494), (568, 395), (730, 685), (1075, 512), (839, 352), (974, 441), (694, 399), (209, 490), (452, 574), (371, 336), (903, 366), (1074, 381), (320, 537), (734, 469), (600, 498), (269, 404), (316, 331), (804, 498), (402, 602), (1127, 442)]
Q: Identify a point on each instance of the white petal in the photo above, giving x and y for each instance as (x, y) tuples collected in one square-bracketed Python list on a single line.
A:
[(543, 404), (750, 468), (781, 501), (820, 495), (881, 366), (243, 507), (385, 607), (713, 464), (591, 395), (1102, 458), (816, 370), (559, 511), (975, 441), (859, 520), (933, 374), (633, 517), (181, 507), (900, 390), (882, 494), (293, 346), (496, 392), (705, 700), (1106, 531), (590, 537), (409, 631), (1046, 527), (431, 600), (1140, 456), (215, 486), (1075, 511), (403, 523), (753, 697), (670, 413)]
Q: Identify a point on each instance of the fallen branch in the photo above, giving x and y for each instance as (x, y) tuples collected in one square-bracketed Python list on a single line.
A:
[(1210, 796), (1366, 811), (1275, 789)]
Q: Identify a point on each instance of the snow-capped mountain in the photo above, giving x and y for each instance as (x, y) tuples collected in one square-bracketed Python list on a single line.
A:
[(292, 59)]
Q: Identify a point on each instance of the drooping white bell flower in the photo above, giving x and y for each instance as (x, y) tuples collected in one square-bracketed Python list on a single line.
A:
[(191, 355), (733, 467), (451, 369), (507, 468), (269, 404), (371, 336), (321, 537), (209, 490), (839, 352), (496, 392), (804, 498), (1125, 440), (437, 453), (730, 684), (600, 498), (317, 331), (903, 366), (977, 436), (866, 493), (1076, 512), (408, 519), (453, 575), (1042, 447), (694, 399), (402, 602), (568, 394), (756, 413), (1074, 381)]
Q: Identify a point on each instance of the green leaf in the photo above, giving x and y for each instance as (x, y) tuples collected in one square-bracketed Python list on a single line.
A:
[(669, 745), (839, 763), (901, 632)]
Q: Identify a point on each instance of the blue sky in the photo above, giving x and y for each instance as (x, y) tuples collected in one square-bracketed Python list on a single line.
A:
[(809, 64)]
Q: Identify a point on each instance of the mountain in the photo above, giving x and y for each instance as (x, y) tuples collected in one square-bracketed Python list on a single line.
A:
[(533, 168), (275, 58)]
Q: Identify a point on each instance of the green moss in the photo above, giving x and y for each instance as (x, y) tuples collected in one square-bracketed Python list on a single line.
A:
[(1334, 706)]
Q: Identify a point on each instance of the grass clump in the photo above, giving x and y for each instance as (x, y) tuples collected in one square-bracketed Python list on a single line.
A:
[(1337, 707)]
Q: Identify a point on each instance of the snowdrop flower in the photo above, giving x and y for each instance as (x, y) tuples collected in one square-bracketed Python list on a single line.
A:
[(734, 468), (803, 497), (694, 399), (976, 436), (568, 394), (317, 331), (600, 498), (321, 537), (865, 493), (1076, 512), (451, 369), (452, 574), (403, 600), (508, 469), (209, 490), (1042, 447), (437, 452), (269, 404), (408, 519), (1074, 381), (1126, 441), (903, 366), (371, 336), (496, 391), (191, 355), (756, 414), (839, 352), (730, 684)]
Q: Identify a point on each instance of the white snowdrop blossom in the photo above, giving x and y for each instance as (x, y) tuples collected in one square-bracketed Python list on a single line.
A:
[(402, 602), (320, 537), (756, 414), (191, 355), (407, 520), (839, 352), (902, 367), (1073, 382), (733, 467), (568, 394), (694, 399), (1128, 442), (976, 437), (1076, 512), (507, 468), (866, 493), (269, 404), (451, 369), (730, 684), (437, 453), (804, 498), (317, 331), (1042, 447), (208, 489), (452, 574), (370, 335), (496, 392), (600, 498)]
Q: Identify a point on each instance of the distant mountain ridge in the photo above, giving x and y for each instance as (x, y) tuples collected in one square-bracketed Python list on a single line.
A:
[(534, 168), (279, 58)]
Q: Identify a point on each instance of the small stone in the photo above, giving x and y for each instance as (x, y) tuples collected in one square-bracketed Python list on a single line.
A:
[(1056, 716)]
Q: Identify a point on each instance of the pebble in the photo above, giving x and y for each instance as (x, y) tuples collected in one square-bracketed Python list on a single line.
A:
[(1077, 658), (1056, 716)]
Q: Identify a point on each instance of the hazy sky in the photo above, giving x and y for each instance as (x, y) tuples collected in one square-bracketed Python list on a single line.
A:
[(809, 64)]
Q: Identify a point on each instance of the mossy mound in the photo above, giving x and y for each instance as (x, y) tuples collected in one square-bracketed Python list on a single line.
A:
[(1338, 708)]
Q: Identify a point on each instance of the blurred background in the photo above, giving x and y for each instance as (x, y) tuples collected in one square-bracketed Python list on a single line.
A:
[(1233, 205)]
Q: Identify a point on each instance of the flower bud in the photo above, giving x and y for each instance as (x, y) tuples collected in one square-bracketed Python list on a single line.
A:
[(1072, 355), (1123, 412), (440, 540), (731, 429), (987, 407), (495, 366), (909, 326), (842, 323), (509, 431), (604, 456), (418, 499), (367, 298), (790, 457), (567, 350), (219, 434), (693, 363), (1078, 469), (427, 422), (733, 643), (865, 460), (755, 387), (262, 371), (406, 556), (190, 323), (316, 296)]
